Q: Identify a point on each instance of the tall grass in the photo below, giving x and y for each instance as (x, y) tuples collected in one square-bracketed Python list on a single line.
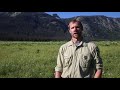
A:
[(38, 59)]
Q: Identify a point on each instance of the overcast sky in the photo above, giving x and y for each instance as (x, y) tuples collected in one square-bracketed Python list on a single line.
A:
[(72, 14)]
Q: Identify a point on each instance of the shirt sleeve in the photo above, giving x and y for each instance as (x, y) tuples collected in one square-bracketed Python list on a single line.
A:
[(59, 66), (96, 55), (97, 58)]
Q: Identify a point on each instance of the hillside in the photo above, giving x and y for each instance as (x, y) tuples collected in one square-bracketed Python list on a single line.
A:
[(42, 26), (99, 27), (30, 26)]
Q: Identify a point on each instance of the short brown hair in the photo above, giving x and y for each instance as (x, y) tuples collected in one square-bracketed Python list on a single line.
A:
[(75, 20)]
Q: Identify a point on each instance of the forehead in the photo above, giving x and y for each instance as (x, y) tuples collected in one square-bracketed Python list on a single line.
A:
[(74, 24)]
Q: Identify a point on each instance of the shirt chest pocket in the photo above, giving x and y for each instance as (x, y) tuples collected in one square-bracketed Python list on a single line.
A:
[(85, 60), (67, 59)]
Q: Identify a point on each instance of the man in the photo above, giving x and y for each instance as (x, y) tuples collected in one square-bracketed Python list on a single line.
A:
[(76, 58)]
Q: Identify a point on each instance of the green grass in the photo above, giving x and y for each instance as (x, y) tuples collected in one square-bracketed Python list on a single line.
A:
[(38, 59), (110, 52)]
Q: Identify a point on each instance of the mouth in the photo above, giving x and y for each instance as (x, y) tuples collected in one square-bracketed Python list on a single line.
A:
[(76, 33)]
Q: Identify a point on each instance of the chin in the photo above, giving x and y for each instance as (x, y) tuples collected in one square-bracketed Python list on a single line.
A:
[(75, 36)]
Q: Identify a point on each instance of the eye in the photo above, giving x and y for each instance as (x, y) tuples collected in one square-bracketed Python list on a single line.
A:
[(77, 27), (72, 27)]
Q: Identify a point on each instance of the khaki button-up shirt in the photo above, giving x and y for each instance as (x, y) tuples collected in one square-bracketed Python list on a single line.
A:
[(78, 61)]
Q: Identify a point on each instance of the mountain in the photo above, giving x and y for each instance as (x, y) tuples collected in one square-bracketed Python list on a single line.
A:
[(31, 26), (99, 27), (42, 26)]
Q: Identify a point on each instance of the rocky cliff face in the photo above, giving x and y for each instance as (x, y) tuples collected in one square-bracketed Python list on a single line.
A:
[(42, 26), (99, 27)]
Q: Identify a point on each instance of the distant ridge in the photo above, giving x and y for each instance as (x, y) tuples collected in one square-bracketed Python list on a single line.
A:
[(37, 26)]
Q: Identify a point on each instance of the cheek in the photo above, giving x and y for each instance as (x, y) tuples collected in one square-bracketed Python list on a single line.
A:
[(71, 31)]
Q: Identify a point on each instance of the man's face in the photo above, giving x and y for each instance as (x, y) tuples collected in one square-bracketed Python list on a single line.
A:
[(75, 30)]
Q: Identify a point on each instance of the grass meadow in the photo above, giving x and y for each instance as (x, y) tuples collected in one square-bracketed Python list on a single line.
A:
[(38, 59)]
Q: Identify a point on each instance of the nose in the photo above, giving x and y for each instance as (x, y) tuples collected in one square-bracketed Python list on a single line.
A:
[(75, 29)]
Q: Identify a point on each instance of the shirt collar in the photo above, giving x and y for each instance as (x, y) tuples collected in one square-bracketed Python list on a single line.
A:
[(70, 43)]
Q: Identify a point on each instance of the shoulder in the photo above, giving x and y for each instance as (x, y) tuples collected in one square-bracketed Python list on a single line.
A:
[(92, 45), (65, 45)]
